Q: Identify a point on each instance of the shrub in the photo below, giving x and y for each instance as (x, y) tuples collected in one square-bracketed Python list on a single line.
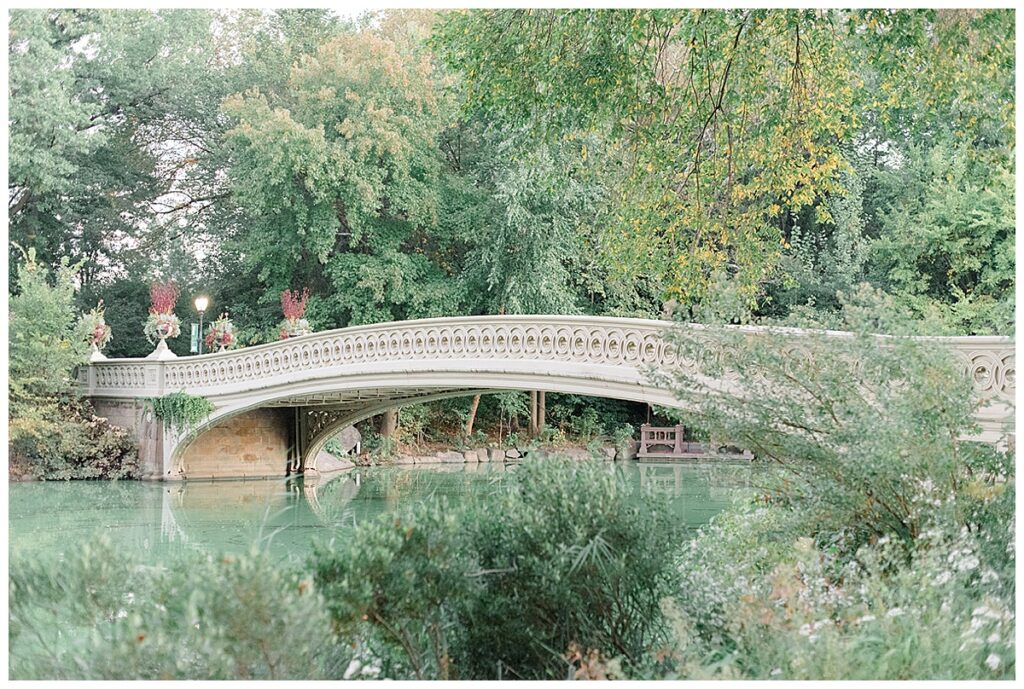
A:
[(98, 615), (378, 447), (586, 417), (621, 438), (587, 426), (577, 558), (884, 549), (866, 429), (570, 558), (413, 422), (86, 447), (396, 584), (757, 603)]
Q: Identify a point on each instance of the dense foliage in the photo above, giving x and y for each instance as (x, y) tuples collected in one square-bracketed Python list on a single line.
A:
[(571, 569), (101, 616), (850, 170), (609, 160), (181, 411), (750, 141), (44, 348), (832, 409), (53, 434), (885, 547), (489, 598), (410, 164)]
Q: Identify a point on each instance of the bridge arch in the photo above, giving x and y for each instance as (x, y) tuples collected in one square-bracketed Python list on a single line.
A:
[(334, 378)]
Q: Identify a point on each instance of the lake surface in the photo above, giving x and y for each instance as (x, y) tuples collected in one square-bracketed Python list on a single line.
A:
[(154, 521)]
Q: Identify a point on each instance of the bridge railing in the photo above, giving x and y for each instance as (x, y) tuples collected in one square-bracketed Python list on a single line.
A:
[(625, 343)]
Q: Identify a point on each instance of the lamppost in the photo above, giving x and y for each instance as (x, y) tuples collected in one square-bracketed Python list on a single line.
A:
[(201, 304)]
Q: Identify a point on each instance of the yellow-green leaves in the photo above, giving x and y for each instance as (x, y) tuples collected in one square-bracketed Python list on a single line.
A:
[(730, 124)]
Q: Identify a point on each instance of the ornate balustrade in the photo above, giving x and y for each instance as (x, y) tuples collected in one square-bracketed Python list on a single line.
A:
[(624, 343)]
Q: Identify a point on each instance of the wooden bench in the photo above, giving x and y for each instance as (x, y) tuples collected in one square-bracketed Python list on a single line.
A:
[(666, 442)]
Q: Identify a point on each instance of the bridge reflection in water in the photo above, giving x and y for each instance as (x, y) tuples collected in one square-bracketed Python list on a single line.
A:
[(153, 522), (287, 515)]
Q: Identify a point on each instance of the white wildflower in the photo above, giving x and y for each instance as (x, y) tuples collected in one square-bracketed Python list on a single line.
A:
[(776, 672), (993, 661), (895, 612), (993, 638), (985, 611), (353, 669), (865, 618), (976, 624)]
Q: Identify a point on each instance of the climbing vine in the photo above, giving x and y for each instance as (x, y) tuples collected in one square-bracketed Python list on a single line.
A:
[(180, 411)]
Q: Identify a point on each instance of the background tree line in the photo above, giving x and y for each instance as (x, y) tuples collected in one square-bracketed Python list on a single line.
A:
[(410, 164)]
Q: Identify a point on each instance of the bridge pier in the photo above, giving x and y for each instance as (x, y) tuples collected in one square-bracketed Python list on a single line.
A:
[(133, 416), (257, 443)]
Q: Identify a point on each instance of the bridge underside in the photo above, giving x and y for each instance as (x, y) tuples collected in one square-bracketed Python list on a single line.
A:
[(287, 434), (320, 417)]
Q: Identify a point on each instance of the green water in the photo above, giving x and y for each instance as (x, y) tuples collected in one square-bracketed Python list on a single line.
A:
[(154, 521)]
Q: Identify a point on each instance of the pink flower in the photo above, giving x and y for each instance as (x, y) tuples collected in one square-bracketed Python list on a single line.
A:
[(293, 303), (162, 297)]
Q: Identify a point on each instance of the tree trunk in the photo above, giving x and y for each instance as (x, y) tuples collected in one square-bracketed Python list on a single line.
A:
[(542, 404), (389, 423), (472, 415), (533, 413)]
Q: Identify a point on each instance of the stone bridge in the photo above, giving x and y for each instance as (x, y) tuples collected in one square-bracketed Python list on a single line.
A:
[(276, 405)]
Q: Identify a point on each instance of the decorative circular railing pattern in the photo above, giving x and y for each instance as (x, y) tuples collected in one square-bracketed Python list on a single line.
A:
[(597, 344), (993, 372), (627, 343)]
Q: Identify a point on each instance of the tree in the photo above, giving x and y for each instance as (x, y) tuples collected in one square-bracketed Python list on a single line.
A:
[(337, 171), (715, 118), (45, 345), (53, 434), (947, 239), (99, 103), (732, 128), (863, 428)]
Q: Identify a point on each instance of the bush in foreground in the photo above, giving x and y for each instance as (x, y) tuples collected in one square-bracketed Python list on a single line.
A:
[(566, 564), (98, 615), (884, 549)]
